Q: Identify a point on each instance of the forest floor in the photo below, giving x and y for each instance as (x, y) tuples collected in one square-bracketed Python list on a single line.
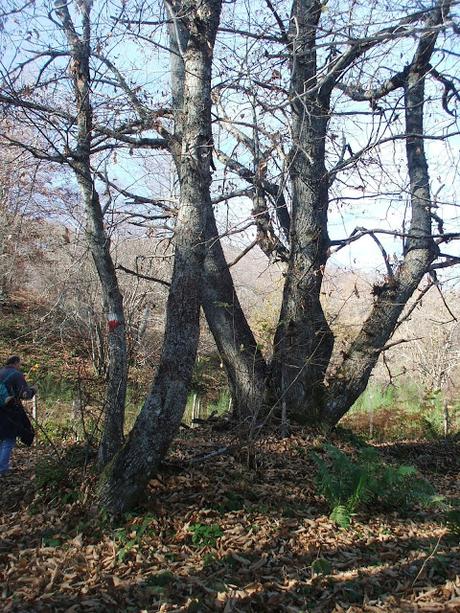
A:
[(222, 536)]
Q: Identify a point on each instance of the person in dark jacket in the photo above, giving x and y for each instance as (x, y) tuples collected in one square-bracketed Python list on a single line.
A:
[(14, 421)]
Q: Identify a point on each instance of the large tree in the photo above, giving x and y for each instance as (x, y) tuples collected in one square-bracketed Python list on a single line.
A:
[(126, 477), (266, 94), (294, 75), (304, 376)]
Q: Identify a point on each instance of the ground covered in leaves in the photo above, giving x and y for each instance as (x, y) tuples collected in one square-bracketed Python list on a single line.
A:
[(239, 532)]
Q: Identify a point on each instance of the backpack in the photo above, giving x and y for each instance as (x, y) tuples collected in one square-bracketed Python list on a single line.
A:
[(4, 391)]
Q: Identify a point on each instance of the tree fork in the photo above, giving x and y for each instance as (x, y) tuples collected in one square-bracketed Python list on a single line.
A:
[(123, 483)]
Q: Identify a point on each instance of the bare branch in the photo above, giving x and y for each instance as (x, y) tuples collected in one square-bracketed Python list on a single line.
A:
[(243, 253), (142, 276)]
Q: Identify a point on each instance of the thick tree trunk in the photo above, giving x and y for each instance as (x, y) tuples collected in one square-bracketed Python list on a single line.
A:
[(303, 340), (125, 479)]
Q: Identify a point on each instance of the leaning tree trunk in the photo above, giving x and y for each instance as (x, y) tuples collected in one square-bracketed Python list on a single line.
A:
[(125, 479), (115, 395), (238, 349), (244, 364), (351, 378), (98, 242)]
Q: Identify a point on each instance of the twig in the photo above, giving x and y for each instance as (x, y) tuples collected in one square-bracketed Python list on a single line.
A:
[(243, 253), (207, 456), (395, 343), (422, 568), (141, 276)]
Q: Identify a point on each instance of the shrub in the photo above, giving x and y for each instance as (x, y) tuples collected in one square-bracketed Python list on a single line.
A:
[(349, 485)]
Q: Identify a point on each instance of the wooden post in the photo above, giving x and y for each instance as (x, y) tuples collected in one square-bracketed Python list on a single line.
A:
[(194, 413), (446, 417)]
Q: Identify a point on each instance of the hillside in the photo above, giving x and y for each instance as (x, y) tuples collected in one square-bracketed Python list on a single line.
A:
[(242, 532)]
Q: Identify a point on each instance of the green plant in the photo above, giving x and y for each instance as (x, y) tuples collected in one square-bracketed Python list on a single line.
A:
[(54, 388), (208, 559), (348, 485), (341, 516), (232, 502), (129, 537), (220, 406), (320, 566), (161, 579), (49, 472), (453, 522), (55, 432), (384, 413), (205, 535)]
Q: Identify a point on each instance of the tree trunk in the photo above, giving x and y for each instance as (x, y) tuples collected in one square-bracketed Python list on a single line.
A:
[(303, 339), (304, 342), (98, 242), (242, 359), (125, 479), (245, 366), (351, 378)]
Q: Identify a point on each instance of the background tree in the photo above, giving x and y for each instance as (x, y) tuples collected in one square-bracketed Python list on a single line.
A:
[(67, 138)]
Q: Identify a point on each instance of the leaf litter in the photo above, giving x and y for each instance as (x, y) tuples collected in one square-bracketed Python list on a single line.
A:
[(226, 535)]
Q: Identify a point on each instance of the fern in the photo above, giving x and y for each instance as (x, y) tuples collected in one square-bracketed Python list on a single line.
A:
[(349, 485), (341, 515)]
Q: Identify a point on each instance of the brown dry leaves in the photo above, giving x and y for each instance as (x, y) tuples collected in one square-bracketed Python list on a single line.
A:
[(63, 557)]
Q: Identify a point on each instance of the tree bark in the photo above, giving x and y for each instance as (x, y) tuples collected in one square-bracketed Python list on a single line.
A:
[(242, 359), (303, 339), (245, 366), (98, 242), (125, 479), (351, 378)]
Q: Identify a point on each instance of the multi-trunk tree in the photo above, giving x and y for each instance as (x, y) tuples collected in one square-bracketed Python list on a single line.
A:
[(306, 64), (260, 98), (304, 377)]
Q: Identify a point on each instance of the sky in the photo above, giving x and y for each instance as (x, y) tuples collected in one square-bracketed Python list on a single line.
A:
[(148, 68)]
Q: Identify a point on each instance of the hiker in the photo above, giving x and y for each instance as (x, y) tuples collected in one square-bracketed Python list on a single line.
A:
[(14, 421)]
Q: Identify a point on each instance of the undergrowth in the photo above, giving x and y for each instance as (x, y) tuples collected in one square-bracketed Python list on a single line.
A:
[(350, 485), (55, 477)]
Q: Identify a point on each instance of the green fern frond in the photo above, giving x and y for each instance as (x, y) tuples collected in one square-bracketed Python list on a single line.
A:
[(341, 516)]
